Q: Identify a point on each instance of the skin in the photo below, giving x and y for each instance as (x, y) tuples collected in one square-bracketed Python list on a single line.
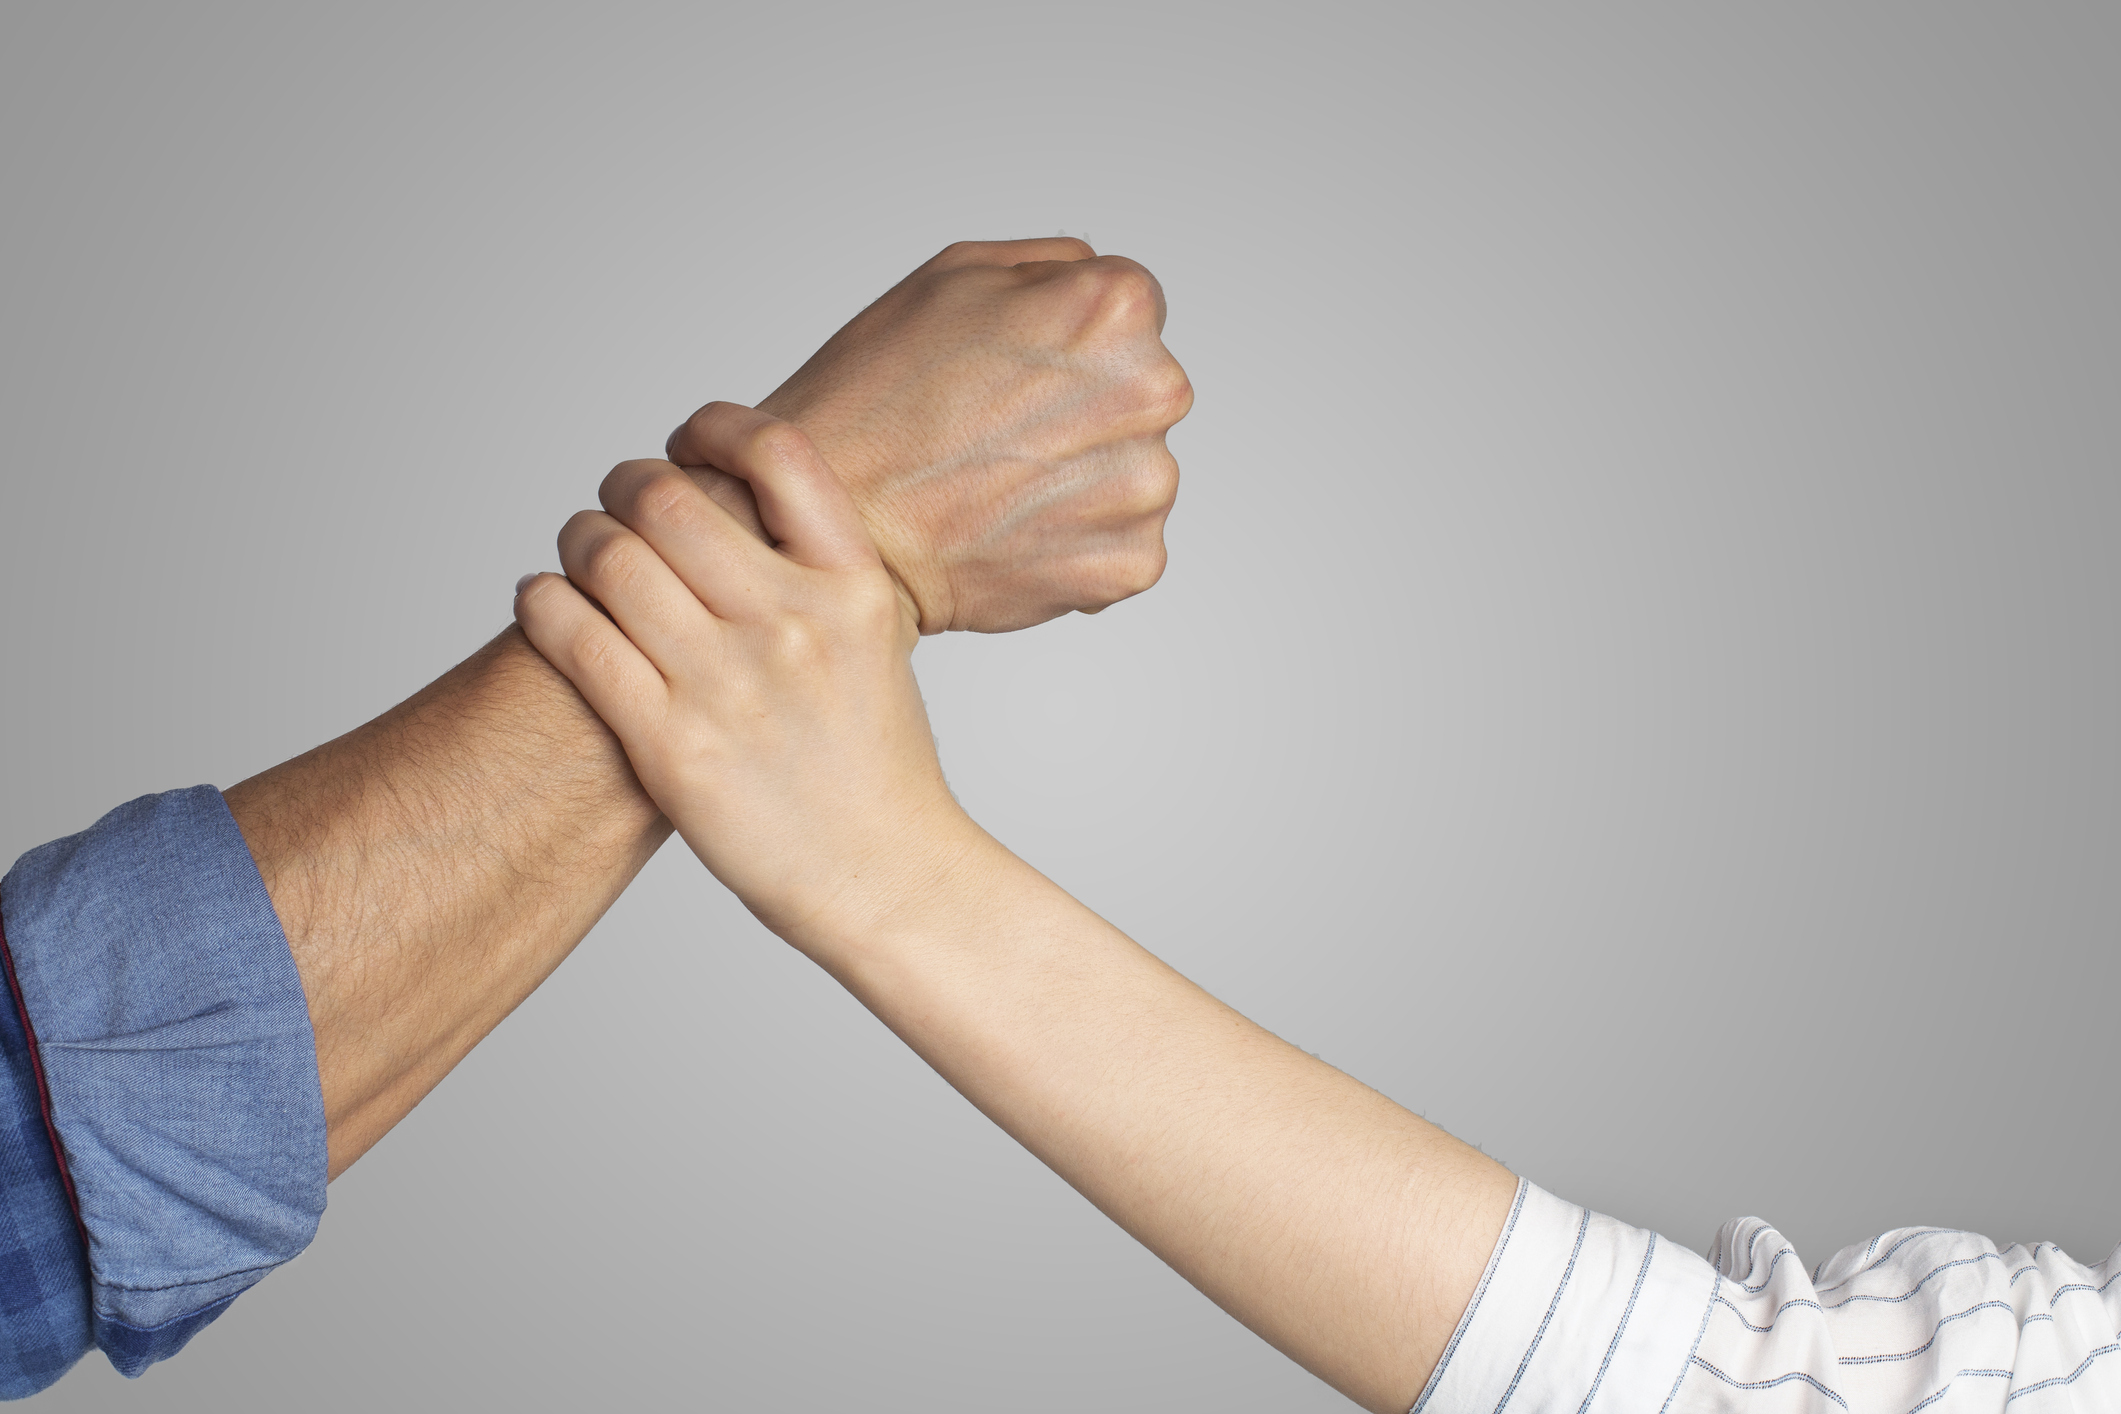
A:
[(766, 699), (998, 417)]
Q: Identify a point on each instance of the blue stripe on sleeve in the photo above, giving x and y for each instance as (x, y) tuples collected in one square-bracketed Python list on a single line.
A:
[(1648, 1255), (1782, 1379), (1465, 1322), (1715, 1295), (1583, 1225), (2068, 1379)]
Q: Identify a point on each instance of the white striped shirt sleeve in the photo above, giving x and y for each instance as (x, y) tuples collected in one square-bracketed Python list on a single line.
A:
[(1580, 1314)]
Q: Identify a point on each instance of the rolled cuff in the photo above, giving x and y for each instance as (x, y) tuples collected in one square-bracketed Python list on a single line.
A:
[(179, 1060)]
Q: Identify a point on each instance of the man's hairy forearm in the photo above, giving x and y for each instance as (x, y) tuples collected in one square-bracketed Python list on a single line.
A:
[(433, 867)]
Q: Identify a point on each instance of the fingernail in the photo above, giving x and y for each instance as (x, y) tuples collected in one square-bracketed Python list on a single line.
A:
[(524, 583)]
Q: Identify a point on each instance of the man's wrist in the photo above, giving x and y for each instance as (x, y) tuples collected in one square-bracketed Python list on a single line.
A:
[(733, 495)]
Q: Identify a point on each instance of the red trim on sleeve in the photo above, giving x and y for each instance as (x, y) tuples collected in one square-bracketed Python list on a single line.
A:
[(44, 1094)]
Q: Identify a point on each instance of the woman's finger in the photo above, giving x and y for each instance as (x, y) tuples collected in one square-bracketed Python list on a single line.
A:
[(721, 562), (614, 677), (956, 257), (803, 504), (644, 596)]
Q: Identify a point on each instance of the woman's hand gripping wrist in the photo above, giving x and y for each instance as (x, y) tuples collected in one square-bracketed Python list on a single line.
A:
[(764, 694)]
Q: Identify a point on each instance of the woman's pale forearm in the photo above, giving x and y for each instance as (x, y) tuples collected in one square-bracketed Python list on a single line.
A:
[(1343, 1229)]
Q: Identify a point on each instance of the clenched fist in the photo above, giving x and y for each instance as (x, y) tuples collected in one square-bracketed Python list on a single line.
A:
[(999, 418)]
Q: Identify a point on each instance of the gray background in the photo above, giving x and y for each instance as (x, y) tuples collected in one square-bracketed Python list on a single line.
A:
[(1637, 679)]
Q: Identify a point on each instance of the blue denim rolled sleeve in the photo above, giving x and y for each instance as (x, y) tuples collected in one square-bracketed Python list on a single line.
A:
[(178, 1060)]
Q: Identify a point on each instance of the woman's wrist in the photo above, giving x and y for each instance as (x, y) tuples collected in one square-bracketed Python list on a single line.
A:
[(941, 875)]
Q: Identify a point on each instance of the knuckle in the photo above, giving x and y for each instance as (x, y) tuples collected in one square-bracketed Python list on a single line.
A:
[(1143, 486), (1139, 572), (697, 435), (650, 493), (1173, 391), (1168, 393), (1156, 482), (617, 480), (636, 467), (582, 528), (1120, 285), (1094, 279), (777, 442), (798, 641), (535, 595), (595, 651), (662, 499), (609, 561), (1134, 282), (579, 525)]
